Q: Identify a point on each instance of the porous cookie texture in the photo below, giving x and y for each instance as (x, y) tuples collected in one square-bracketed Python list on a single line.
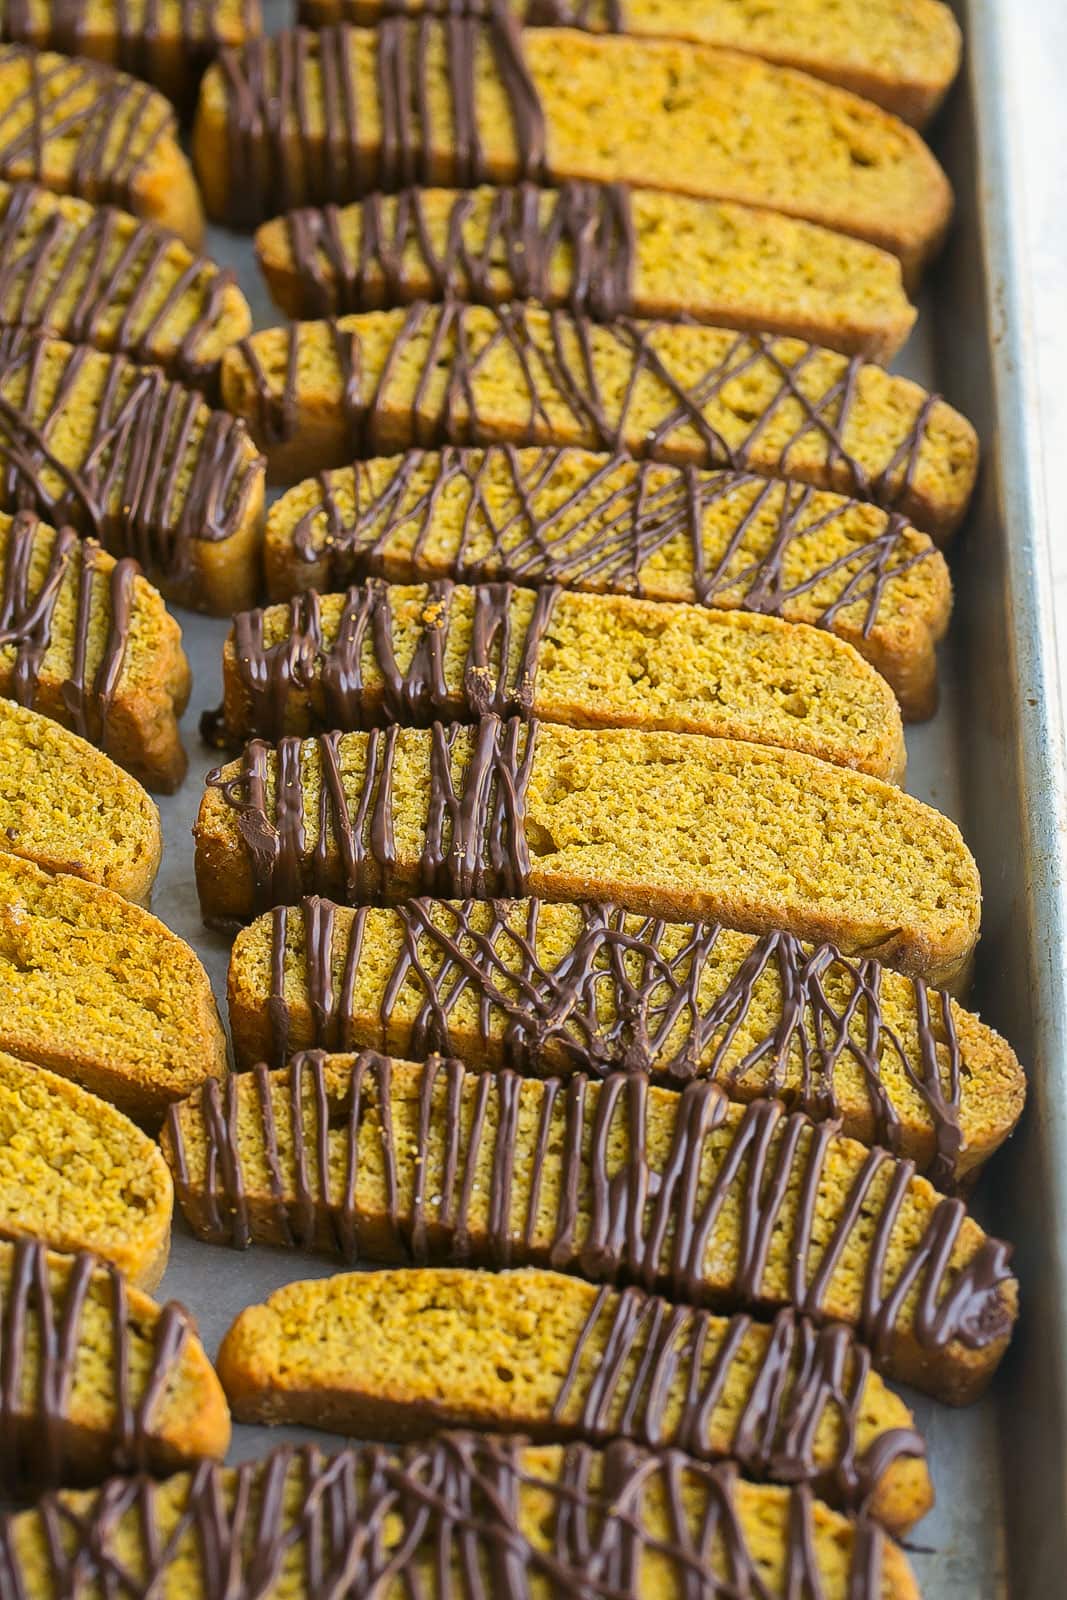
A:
[(599, 248), (103, 993), (79, 127), (318, 394), (709, 1203), (98, 1378), (902, 54), (97, 275), (69, 809), (550, 989), (380, 654), (76, 1174), (550, 1357), (666, 824), (455, 1515), (87, 641), (307, 117), (608, 525), (167, 42), (138, 461)]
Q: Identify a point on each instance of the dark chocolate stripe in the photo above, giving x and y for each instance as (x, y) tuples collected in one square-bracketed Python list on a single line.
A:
[(70, 25), (618, 1213), (529, 232), (40, 1329), (454, 1518)]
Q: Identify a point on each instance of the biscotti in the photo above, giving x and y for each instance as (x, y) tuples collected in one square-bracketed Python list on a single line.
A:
[(711, 1204), (381, 654), (68, 808), (87, 641), (307, 117), (617, 526), (167, 42), (550, 1357), (101, 992), (97, 275), (138, 461), (550, 989), (79, 127), (667, 824), (460, 1516), (317, 394), (97, 1377), (77, 1175), (597, 248), (902, 54)]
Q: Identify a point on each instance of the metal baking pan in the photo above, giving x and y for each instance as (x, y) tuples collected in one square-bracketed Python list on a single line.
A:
[(993, 759)]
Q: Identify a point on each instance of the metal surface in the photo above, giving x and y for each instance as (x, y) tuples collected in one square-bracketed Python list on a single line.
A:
[(991, 758)]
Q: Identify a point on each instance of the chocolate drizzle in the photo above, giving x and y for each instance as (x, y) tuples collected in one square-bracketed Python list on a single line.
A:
[(603, 534), (157, 469), (498, 676), (461, 1516), (34, 1442), (277, 158), (700, 1222), (557, 364), (474, 840), (27, 619), (527, 233), (69, 114), (626, 995), (46, 261), (805, 1374)]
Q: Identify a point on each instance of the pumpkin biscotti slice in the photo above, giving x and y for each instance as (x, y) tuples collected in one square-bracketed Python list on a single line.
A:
[(79, 127), (69, 809), (460, 1515), (551, 989), (303, 118), (380, 654), (97, 275), (103, 993), (87, 641), (98, 1378), (902, 54), (667, 824), (318, 394), (142, 463), (599, 248), (712, 1204), (77, 1175), (612, 525), (167, 42), (550, 1357)]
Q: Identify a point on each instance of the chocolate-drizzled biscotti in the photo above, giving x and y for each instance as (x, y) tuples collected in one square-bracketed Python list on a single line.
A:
[(608, 525), (68, 808), (97, 275), (381, 654), (87, 641), (317, 394), (550, 989), (902, 54), (101, 992), (550, 1357), (667, 824), (98, 1378), (167, 42), (709, 1203), (305, 117), (601, 249), (79, 127), (140, 462), (459, 1516)]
